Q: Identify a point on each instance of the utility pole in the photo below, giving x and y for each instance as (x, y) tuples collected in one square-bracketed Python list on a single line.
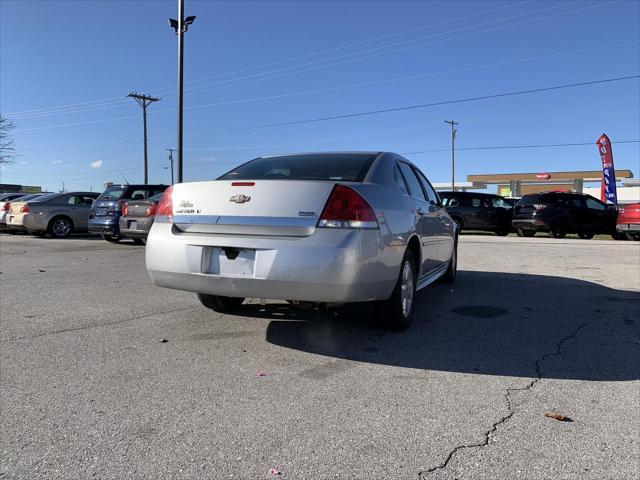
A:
[(453, 152), (144, 101), (171, 150), (180, 26)]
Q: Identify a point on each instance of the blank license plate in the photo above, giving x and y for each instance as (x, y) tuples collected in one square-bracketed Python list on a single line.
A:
[(217, 262), (133, 225)]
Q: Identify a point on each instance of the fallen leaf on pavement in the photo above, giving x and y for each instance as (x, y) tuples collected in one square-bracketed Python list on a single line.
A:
[(273, 472), (163, 340), (260, 373), (41, 270), (557, 416)]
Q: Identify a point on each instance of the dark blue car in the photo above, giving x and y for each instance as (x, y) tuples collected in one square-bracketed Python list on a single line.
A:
[(106, 210)]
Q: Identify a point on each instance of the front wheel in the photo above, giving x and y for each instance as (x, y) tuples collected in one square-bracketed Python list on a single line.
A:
[(218, 303), (585, 235), (112, 238), (450, 275), (502, 233), (396, 313), (60, 227)]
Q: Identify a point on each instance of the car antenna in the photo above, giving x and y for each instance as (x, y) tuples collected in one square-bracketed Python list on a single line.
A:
[(125, 178)]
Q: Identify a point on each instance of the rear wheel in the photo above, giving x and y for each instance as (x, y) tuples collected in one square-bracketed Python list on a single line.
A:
[(139, 241), (632, 236), (616, 235), (218, 303), (60, 227), (502, 233), (559, 229), (585, 235), (525, 233), (112, 238), (396, 313)]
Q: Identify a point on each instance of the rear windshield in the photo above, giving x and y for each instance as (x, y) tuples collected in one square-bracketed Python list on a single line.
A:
[(348, 167), (113, 193), (44, 198), (529, 200), (133, 192)]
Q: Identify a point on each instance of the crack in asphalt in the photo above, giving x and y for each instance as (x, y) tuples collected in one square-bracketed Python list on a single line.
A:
[(511, 411), (87, 327)]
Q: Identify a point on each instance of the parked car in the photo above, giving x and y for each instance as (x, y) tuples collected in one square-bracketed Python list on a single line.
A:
[(479, 211), (319, 228), (137, 218), (628, 222), (560, 213), (106, 211), (5, 204), (58, 214)]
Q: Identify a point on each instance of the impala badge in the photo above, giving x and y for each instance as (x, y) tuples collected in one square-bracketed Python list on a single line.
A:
[(240, 198), (185, 204)]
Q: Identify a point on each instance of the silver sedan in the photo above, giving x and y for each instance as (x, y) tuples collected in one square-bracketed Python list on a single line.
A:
[(323, 228), (58, 214)]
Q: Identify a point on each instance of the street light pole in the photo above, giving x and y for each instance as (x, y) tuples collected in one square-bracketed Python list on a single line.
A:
[(453, 152), (181, 25)]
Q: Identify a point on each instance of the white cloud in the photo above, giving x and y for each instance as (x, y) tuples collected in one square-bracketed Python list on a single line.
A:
[(96, 164), (57, 162), (24, 162)]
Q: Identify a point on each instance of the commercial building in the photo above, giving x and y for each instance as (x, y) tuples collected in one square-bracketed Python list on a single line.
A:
[(11, 188)]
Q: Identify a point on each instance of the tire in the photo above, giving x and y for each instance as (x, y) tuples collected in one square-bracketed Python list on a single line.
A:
[(396, 313), (619, 235), (559, 229), (450, 275), (139, 241), (502, 233), (60, 227), (585, 235), (525, 233), (632, 237), (218, 303), (112, 238)]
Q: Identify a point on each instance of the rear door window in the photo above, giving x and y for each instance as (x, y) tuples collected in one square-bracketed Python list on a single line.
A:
[(415, 189), (593, 204), (140, 194), (400, 180), (432, 196), (348, 167)]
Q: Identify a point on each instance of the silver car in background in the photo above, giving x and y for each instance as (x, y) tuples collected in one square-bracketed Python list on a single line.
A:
[(325, 228), (58, 214)]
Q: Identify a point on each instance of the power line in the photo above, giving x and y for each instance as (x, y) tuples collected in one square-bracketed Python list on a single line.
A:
[(144, 101), (504, 147), (340, 47), (445, 102)]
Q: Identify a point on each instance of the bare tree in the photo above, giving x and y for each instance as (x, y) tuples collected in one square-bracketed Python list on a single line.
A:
[(7, 152)]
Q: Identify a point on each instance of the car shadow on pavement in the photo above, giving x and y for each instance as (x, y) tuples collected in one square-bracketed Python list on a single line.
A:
[(485, 323)]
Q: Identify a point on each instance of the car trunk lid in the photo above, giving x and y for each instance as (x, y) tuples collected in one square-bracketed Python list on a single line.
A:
[(250, 207)]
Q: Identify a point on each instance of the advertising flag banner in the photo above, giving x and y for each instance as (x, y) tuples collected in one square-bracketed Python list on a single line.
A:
[(608, 190)]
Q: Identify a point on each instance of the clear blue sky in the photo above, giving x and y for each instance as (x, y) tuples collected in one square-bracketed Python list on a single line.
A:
[(57, 54)]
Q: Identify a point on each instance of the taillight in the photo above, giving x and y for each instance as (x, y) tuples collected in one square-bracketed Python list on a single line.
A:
[(151, 210), (164, 210), (24, 208), (120, 204), (125, 209), (5, 207), (345, 208)]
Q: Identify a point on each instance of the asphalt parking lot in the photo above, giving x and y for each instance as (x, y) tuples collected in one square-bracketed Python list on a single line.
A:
[(531, 326)]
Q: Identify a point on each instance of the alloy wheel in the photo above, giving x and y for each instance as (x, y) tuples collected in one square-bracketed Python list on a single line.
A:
[(406, 289)]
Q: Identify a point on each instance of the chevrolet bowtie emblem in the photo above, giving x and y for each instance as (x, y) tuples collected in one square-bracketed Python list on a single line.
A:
[(240, 198)]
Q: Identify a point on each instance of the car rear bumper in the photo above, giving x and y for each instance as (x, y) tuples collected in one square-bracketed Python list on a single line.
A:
[(135, 227), (16, 222), (530, 224), (329, 266), (628, 227), (108, 226)]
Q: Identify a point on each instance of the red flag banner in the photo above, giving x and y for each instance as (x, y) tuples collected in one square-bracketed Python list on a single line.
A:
[(608, 190)]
